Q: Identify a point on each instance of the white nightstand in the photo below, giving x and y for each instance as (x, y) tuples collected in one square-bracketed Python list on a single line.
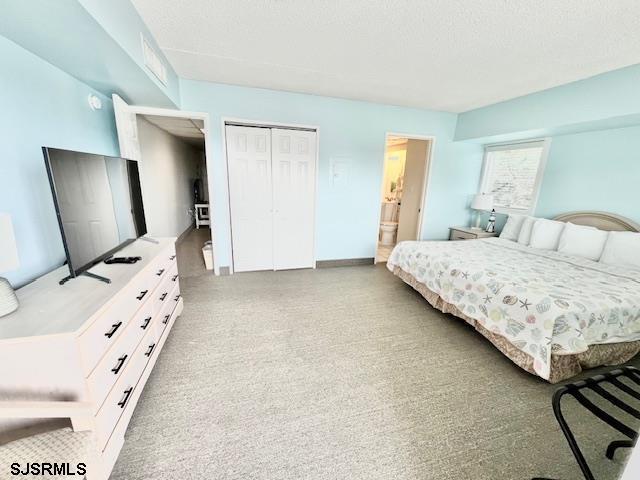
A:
[(468, 233)]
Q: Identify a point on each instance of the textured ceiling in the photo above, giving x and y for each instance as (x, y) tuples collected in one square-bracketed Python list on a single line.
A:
[(452, 55), (185, 128)]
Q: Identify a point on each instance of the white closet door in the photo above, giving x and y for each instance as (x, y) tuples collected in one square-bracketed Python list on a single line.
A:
[(250, 197), (294, 173)]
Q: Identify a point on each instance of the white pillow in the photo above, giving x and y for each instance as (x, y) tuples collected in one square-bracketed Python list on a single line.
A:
[(622, 248), (512, 228), (581, 241), (524, 237), (545, 234)]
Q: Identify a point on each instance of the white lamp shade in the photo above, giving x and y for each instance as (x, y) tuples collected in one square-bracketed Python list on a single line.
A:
[(8, 251), (482, 201)]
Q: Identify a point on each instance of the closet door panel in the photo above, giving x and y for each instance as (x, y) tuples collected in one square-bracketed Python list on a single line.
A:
[(250, 197), (294, 182)]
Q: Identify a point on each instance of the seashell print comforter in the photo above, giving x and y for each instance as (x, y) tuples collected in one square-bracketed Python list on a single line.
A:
[(540, 301)]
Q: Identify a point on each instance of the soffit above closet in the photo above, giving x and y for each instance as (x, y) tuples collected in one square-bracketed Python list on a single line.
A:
[(187, 129), (436, 54)]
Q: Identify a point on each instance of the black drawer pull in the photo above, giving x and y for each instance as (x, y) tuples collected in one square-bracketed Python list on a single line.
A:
[(114, 329), (172, 257), (119, 365), (177, 298), (174, 278), (146, 323), (150, 351), (142, 294), (160, 272), (163, 296), (166, 319), (125, 399)]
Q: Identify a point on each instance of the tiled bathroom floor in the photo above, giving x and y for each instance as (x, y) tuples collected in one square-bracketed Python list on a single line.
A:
[(383, 252)]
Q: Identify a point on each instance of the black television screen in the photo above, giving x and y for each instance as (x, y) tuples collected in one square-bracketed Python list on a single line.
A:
[(98, 201)]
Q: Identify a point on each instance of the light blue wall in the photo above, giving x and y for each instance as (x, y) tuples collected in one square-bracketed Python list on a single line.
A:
[(347, 218), (121, 21), (96, 41), (593, 163), (608, 100), (593, 171), (47, 106), (41, 105)]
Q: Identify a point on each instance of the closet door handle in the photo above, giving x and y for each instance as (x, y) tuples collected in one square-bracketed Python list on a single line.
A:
[(172, 257), (160, 272), (166, 319), (119, 365), (125, 399), (174, 278), (150, 351), (177, 298), (142, 294), (146, 323), (114, 329), (163, 296)]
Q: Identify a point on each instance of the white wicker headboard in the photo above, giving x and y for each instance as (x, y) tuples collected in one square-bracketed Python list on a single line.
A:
[(601, 220)]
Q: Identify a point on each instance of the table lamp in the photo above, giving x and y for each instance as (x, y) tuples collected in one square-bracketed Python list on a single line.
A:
[(8, 262), (481, 202)]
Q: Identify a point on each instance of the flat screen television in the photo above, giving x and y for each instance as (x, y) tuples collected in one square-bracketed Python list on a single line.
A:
[(98, 202)]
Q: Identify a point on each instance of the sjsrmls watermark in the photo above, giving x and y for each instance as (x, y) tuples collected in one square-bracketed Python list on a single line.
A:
[(48, 469)]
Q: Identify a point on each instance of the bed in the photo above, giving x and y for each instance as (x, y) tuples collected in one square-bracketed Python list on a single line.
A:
[(552, 314)]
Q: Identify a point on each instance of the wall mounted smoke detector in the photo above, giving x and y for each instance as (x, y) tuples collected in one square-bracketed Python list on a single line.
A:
[(94, 102)]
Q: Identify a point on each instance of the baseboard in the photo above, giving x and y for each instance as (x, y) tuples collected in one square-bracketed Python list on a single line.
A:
[(345, 262), (184, 234)]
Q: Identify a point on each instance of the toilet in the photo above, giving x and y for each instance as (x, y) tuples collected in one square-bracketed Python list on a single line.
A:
[(388, 232), (389, 223)]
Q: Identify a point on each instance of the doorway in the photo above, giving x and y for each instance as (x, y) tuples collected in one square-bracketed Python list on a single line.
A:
[(406, 168), (171, 147), (175, 187)]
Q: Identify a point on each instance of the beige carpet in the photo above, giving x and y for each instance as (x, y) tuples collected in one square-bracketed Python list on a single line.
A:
[(342, 373), (190, 261)]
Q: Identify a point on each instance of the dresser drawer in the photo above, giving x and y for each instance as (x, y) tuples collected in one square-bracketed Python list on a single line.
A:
[(150, 350), (161, 295), (120, 399), (104, 332), (118, 357), (164, 317), (460, 235), (166, 261)]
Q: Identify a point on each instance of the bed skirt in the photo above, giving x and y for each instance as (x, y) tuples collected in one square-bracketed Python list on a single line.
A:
[(562, 366)]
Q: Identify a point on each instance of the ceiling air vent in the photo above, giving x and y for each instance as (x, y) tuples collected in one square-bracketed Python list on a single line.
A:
[(153, 62)]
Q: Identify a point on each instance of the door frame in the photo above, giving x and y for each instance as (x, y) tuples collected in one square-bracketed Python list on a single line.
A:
[(208, 153), (425, 181), (245, 122)]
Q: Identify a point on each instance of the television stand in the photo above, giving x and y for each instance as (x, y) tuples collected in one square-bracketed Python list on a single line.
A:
[(88, 274), (95, 344)]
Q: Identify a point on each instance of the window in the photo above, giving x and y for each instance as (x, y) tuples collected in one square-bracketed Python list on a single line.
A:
[(512, 173)]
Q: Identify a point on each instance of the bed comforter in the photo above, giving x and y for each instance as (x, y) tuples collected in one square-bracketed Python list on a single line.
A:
[(542, 302)]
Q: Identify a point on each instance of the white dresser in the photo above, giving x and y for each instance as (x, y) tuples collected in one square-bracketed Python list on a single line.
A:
[(88, 341)]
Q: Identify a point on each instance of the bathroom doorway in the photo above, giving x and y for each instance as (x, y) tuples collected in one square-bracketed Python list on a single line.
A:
[(406, 167)]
